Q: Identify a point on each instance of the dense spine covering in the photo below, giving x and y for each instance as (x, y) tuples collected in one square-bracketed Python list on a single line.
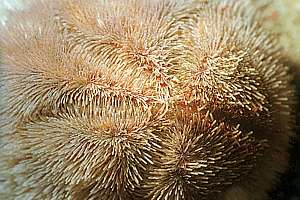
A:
[(141, 100)]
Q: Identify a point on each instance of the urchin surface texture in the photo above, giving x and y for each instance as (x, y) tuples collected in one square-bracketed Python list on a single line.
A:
[(141, 99)]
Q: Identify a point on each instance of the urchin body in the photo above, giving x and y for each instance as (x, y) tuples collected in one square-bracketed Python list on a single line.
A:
[(141, 100)]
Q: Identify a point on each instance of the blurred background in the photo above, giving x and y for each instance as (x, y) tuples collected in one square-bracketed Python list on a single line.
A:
[(282, 17)]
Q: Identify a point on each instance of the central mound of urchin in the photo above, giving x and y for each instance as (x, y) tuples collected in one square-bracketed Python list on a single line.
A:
[(141, 100)]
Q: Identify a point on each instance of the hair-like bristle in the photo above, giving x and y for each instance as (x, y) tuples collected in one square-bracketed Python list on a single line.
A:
[(139, 38), (141, 99), (105, 156), (201, 157)]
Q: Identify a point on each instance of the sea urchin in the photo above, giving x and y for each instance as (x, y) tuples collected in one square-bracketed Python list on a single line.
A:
[(141, 99)]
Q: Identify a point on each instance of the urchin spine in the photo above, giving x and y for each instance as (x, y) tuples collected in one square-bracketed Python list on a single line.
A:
[(141, 100)]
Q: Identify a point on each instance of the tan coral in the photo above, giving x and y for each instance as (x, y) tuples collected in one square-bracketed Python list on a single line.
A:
[(141, 100)]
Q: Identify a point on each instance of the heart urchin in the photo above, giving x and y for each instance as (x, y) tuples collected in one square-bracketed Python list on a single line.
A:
[(141, 100)]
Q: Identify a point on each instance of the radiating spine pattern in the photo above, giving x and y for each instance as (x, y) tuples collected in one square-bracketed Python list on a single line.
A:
[(140, 99)]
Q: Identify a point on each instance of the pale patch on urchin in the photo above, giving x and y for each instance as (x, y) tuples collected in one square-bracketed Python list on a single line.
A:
[(7, 6), (143, 99)]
